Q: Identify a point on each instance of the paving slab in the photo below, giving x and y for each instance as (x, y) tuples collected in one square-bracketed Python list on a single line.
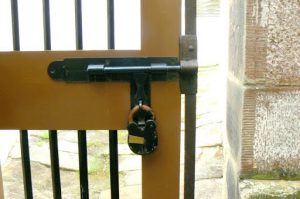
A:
[(269, 189), (209, 163), (8, 139), (206, 188), (129, 192)]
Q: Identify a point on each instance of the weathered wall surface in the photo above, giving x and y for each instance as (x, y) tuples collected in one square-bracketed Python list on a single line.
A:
[(263, 133), (236, 36), (277, 133), (270, 135), (273, 42)]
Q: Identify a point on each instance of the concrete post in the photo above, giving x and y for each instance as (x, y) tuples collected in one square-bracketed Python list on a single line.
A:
[(263, 106)]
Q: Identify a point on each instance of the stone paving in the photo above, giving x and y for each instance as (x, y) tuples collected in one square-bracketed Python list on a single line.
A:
[(209, 154), (270, 189)]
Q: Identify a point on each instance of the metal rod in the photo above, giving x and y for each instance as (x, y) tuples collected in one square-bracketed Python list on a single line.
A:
[(15, 24), (78, 24), (114, 164), (82, 145), (190, 113), (190, 17), (26, 164), (101, 69), (24, 145), (111, 24), (55, 172), (190, 146), (47, 30), (53, 143), (113, 134), (83, 164)]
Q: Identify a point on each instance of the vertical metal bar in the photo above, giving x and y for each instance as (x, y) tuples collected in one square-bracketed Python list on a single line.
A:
[(78, 24), (53, 143), (82, 145), (26, 164), (190, 17), (113, 134), (83, 166), (47, 31), (25, 156), (114, 164), (190, 113), (15, 24), (55, 172), (190, 145), (111, 24)]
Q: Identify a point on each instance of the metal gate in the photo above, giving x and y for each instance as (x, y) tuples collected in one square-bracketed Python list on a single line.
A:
[(31, 99)]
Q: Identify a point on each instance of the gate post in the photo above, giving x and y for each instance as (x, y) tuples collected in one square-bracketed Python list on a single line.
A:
[(160, 177)]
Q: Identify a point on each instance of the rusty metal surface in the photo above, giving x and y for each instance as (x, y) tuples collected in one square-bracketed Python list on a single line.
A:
[(189, 84), (190, 17), (190, 146)]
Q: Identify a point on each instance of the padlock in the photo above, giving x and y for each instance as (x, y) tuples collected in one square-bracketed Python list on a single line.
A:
[(142, 135)]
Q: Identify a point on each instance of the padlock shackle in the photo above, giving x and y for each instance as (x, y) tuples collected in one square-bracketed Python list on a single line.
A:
[(135, 109)]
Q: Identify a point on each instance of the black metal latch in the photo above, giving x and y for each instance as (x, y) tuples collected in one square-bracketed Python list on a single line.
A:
[(142, 135)]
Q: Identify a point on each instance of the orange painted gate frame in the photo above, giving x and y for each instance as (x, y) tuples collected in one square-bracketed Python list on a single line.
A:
[(29, 99)]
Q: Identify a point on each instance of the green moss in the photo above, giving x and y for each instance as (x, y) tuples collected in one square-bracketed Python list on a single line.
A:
[(44, 136), (266, 196), (98, 165), (122, 136), (278, 174), (122, 174), (95, 143)]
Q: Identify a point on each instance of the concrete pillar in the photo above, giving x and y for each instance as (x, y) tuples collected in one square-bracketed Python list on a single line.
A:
[(263, 105)]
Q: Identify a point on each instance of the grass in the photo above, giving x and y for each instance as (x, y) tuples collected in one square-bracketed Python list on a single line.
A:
[(44, 135), (98, 165), (122, 136), (95, 143), (276, 174)]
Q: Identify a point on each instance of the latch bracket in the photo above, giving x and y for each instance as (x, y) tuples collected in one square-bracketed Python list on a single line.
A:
[(189, 66)]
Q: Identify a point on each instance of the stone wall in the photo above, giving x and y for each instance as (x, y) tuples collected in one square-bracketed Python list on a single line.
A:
[(263, 108)]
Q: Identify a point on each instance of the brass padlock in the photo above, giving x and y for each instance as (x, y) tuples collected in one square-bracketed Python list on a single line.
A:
[(142, 135)]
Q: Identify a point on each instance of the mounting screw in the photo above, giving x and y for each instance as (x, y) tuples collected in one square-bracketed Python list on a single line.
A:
[(191, 48), (52, 71)]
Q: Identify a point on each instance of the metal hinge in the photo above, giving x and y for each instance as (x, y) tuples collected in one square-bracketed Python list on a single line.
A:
[(188, 63)]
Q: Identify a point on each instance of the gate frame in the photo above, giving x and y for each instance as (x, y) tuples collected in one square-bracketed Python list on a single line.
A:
[(25, 103)]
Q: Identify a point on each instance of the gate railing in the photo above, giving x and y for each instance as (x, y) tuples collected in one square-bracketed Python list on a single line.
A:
[(53, 142), (190, 104)]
